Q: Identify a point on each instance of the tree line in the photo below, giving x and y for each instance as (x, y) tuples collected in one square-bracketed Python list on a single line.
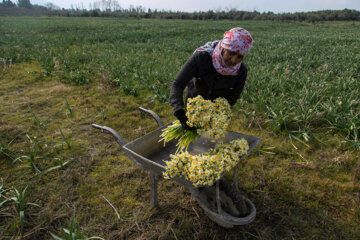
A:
[(112, 8)]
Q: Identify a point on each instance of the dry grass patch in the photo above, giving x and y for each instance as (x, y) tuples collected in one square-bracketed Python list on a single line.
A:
[(303, 193)]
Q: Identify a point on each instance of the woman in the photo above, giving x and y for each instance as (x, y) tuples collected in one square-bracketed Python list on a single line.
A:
[(214, 70)]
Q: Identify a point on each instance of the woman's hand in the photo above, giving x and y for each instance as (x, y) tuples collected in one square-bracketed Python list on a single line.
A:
[(180, 114)]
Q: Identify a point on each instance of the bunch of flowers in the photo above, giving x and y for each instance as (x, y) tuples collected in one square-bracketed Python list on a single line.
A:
[(210, 118), (206, 168)]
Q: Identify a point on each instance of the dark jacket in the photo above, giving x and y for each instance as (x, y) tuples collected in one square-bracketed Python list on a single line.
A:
[(201, 78)]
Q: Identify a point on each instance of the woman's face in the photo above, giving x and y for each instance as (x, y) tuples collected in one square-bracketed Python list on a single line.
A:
[(231, 58)]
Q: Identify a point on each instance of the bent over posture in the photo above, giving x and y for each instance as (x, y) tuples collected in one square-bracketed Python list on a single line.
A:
[(214, 70)]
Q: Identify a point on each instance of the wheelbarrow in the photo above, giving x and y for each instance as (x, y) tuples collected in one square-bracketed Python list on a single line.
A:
[(221, 202)]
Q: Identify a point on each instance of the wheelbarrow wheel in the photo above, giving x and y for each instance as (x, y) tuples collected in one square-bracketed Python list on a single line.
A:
[(237, 198), (232, 201)]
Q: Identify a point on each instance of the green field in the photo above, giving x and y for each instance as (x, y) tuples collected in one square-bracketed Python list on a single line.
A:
[(59, 75)]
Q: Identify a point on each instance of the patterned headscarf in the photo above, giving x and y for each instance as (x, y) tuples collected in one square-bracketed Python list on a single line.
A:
[(236, 40)]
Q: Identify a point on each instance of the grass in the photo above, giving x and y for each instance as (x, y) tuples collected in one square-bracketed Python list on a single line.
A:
[(71, 233), (20, 201), (33, 152), (38, 154), (301, 190), (18, 198), (303, 77), (66, 139), (68, 107), (2, 193), (5, 150)]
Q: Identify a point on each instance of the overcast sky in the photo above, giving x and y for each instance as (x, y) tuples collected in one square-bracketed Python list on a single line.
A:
[(277, 6)]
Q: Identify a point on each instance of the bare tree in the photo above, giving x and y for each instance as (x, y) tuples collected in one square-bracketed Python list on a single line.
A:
[(24, 4), (106, 5), (96, 5), (140, 9), (51, 6), (132, 8), (115, 5)]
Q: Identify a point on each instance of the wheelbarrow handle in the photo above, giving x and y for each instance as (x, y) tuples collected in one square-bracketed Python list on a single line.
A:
[(154, 115), (111, 131)]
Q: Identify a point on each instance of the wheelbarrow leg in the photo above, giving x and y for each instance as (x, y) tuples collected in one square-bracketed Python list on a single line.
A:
[(153, 177), (235, 179), (218, 199), (153, 189)]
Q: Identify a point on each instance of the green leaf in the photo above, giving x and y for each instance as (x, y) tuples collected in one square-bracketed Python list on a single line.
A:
[(49, 170), (19, 158), (55, 236), (22, 217), (3, 202), (33, 204)]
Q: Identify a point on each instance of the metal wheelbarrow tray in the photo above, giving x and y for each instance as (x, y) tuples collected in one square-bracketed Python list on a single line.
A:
[(222, 202)]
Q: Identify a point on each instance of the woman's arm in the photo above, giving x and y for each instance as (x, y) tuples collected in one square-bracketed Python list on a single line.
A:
[(186, 73)]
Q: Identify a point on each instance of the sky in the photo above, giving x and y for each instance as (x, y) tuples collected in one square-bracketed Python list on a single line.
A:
[(276, 6)]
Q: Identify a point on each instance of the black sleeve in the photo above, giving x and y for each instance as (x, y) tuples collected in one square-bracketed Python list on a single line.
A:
[(235, 94), (186, 73)]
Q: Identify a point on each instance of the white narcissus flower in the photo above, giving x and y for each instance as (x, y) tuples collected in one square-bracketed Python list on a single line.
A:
[(211, 118), (206, 168)]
